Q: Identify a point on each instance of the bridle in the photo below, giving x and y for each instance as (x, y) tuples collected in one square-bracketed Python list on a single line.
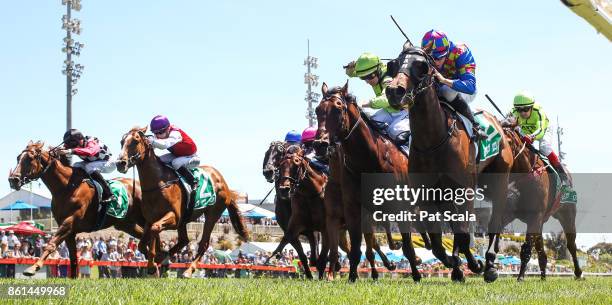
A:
[(27, 179), (344, 118), (279, 148), (132, 160), (302, 173), (423, 84)]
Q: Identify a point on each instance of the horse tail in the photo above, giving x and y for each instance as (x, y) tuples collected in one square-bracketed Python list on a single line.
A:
[(236, 217)]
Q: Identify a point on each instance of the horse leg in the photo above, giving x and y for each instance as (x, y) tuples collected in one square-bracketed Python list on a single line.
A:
[(567, 218), (303, 258), (72, 252), (392, 244), (355, 252), (183, 240), (438, 249), (389, 265), (152, 252), (314, 244), (525, 256), (209, 224), (460, 241), (495, 227), (476, 266), (322, 259), (542, 259), (369, 239), (333, 240), (409, 253), (62, 233)]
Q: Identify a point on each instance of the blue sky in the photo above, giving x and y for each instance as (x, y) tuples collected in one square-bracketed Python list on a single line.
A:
[(230, 73)]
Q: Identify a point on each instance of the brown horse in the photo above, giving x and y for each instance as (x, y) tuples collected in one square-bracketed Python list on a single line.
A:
[(535, 204), (363, 150), (74, 203), (442, 151), (166, 199), (282, 202)]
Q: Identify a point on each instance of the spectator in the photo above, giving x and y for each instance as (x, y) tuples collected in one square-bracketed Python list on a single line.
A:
[(114, 256), (3, 242), (13, 241), (85, 270), (132, 245)]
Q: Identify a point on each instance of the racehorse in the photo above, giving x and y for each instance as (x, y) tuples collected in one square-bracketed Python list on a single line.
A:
[(536, 203), (282, 202), (443, 156), (167, 200), (363, 150), (74, 203)]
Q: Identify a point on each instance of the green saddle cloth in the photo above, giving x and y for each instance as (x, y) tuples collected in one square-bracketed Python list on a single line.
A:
[(205, 193), (488, 147), (118, 208)]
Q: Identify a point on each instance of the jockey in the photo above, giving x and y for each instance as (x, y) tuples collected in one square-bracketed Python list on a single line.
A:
[(456, 72), (183, 150), (533, 125), (308, 136), (96, 160), (293, 137), (369, 68)]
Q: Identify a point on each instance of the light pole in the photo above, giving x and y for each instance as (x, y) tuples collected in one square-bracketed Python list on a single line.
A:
[(311, 80), (559, 142), (71, 69)]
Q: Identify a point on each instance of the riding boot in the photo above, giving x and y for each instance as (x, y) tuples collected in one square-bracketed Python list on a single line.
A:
[(188, 176), (107, 197), (463, 108), (554, 161)]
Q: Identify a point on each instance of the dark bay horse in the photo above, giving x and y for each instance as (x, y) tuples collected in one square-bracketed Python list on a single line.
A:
[(74, 203), (442, 151), (535, 204), (363, 150), (166, 199), (282, 202)]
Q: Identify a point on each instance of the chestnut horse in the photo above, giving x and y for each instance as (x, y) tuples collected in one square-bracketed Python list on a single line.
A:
[(363, 150), (282, 202), (74, 203), (166, 199), (535, 204), (442, 148)]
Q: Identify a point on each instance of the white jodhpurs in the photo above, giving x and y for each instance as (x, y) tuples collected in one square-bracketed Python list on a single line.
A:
[(192, 161), (100, 166), (450, 94), (397, 123), (546, 143)]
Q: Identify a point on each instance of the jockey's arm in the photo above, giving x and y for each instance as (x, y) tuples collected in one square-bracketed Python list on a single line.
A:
[(466, 83), (173, 138), (380, 101), (539, 133), (91, 149)]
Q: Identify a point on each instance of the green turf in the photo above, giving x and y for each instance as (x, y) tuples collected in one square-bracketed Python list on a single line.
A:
[(291, 291)]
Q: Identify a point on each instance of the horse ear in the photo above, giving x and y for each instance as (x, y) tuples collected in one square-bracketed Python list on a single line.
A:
[(144, 129), (324, 89), (30, 143), (345, 88)]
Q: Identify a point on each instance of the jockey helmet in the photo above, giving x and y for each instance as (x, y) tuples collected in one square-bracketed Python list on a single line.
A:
[(293, 136), (523, 99), (436, 43), (159, 123), (309, 134), (73, 137), (367, 64)]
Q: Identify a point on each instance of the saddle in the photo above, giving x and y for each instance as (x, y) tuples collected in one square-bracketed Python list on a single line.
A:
[(381, 129)]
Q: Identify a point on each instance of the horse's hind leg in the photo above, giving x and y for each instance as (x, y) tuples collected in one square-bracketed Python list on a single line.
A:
[(369, 239), (389, 265), (183, 240), (322, 259), (525, 256), (211, 219), (409, 253), (303, 259), (63, 232), (314, 245), (567, 217), (542, 259)]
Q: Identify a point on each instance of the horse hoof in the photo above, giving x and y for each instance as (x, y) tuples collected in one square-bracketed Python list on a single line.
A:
[(352, 278), (457, 276), (416, 277), (31, 271), (490, 275), (375, 276), (478, 268), (153, 271), (520, 279), (391, 267), (579, 277), (543, 278)]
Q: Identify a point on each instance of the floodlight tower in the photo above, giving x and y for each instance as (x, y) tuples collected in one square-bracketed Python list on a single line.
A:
[(71, 69), (311, 80), (559, 142)]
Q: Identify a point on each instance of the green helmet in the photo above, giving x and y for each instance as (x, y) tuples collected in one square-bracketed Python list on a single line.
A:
[(523, 99), (366, 64)]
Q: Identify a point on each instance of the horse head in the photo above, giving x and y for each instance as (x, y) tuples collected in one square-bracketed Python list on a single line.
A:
[(32, 163), (332, 117), (291, 170), (272, 159), (134, 148), (412, 73)]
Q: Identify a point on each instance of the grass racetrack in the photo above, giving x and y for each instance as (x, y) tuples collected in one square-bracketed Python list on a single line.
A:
[(594, 290)]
